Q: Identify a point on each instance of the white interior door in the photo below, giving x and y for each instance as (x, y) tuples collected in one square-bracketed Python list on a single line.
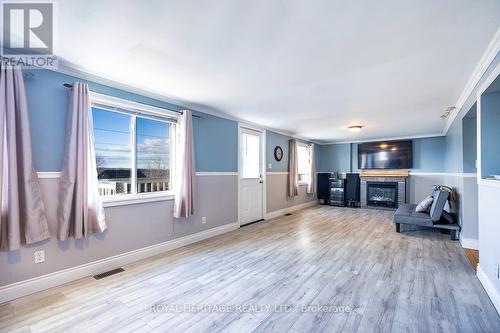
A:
[(251, 166)]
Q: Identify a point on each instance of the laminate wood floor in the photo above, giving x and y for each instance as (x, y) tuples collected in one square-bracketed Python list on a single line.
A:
[(323, 269)]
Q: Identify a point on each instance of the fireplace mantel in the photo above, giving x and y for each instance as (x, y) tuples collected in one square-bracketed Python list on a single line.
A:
[(385, 173)]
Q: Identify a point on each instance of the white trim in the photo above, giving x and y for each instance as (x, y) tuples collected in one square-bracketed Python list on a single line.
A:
[(488, 182), (488, 56), (132, 106), (26, 287), (463, 175), (274, 173), (216, 174), (392, 138), (427, 173), (133, 199), (469, 243), (48, 174), (57, 174), (489, 288), (280, 212)]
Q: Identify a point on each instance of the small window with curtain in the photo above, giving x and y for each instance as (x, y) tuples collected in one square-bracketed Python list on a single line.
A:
[(304, 163), (132, 148)]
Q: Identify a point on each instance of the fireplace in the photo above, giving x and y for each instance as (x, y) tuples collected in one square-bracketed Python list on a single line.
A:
[(382, 194), (383, 189)]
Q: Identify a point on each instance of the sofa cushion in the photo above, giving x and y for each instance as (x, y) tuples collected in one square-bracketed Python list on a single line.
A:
[(424, 205), (440, 199), (406, 214)]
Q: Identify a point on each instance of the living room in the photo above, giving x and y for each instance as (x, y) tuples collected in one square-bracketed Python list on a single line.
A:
[(249, 167)]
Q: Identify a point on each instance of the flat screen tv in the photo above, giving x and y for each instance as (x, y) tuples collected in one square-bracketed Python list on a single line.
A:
[(385, 155)]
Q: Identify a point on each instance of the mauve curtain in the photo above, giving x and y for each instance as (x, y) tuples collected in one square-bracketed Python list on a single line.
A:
[(293, 172), (184, 156), (22, 218), (311, 187), (80, 210)]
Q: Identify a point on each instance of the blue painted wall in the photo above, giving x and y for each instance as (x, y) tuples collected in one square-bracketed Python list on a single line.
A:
[(274, 139), (215, 138), (469, 130), (427, 156), (490, 134), (334, 157), (454, 159), (215, 144), (453, 156)]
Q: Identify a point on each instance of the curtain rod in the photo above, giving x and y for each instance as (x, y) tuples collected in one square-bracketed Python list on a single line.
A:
[(69, 85)]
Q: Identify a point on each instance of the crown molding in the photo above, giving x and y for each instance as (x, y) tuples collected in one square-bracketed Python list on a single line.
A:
[(489, 55)]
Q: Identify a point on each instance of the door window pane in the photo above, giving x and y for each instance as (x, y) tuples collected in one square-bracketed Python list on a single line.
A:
[(153, 155), (113, 152), (250, 166)]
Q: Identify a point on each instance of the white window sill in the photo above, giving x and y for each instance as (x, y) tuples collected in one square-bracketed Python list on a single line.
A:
[(133, 199), (303, 183), (489, 182)]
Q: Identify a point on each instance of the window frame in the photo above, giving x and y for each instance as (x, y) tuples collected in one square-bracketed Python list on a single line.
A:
[(134, 110), (308, 148)]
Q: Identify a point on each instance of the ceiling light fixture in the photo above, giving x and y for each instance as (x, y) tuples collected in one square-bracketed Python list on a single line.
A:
[(355, 128)]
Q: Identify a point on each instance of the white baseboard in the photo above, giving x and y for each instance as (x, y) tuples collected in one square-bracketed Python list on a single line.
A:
[(40, 283), (489, 287), (279, 212), (469, 243)]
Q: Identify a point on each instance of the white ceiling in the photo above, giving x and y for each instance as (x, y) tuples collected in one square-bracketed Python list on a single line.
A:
[(310, 68)]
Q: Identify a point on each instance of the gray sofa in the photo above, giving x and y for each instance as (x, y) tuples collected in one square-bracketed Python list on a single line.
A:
[(406, 214)]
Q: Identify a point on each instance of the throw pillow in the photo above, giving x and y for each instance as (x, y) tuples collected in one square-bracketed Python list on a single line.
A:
[(424, 205), (447, 218)]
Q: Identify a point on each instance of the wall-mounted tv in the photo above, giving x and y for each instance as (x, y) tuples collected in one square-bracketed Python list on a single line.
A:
[(385, 155)]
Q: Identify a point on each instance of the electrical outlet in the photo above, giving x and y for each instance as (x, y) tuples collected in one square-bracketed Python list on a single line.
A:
[(203, 220), (39, 256), (270, 165)]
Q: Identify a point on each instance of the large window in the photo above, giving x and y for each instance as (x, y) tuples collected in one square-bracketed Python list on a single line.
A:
[(132, 151), (304, 163)]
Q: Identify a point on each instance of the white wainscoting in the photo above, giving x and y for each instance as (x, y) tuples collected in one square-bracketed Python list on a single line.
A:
[(37, 284), (469, 243), (489, 287)]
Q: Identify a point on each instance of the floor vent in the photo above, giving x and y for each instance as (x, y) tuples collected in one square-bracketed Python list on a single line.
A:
[(288, 214), (108, 273)]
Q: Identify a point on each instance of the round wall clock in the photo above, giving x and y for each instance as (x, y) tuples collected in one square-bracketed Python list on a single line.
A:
[(278, 153)]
